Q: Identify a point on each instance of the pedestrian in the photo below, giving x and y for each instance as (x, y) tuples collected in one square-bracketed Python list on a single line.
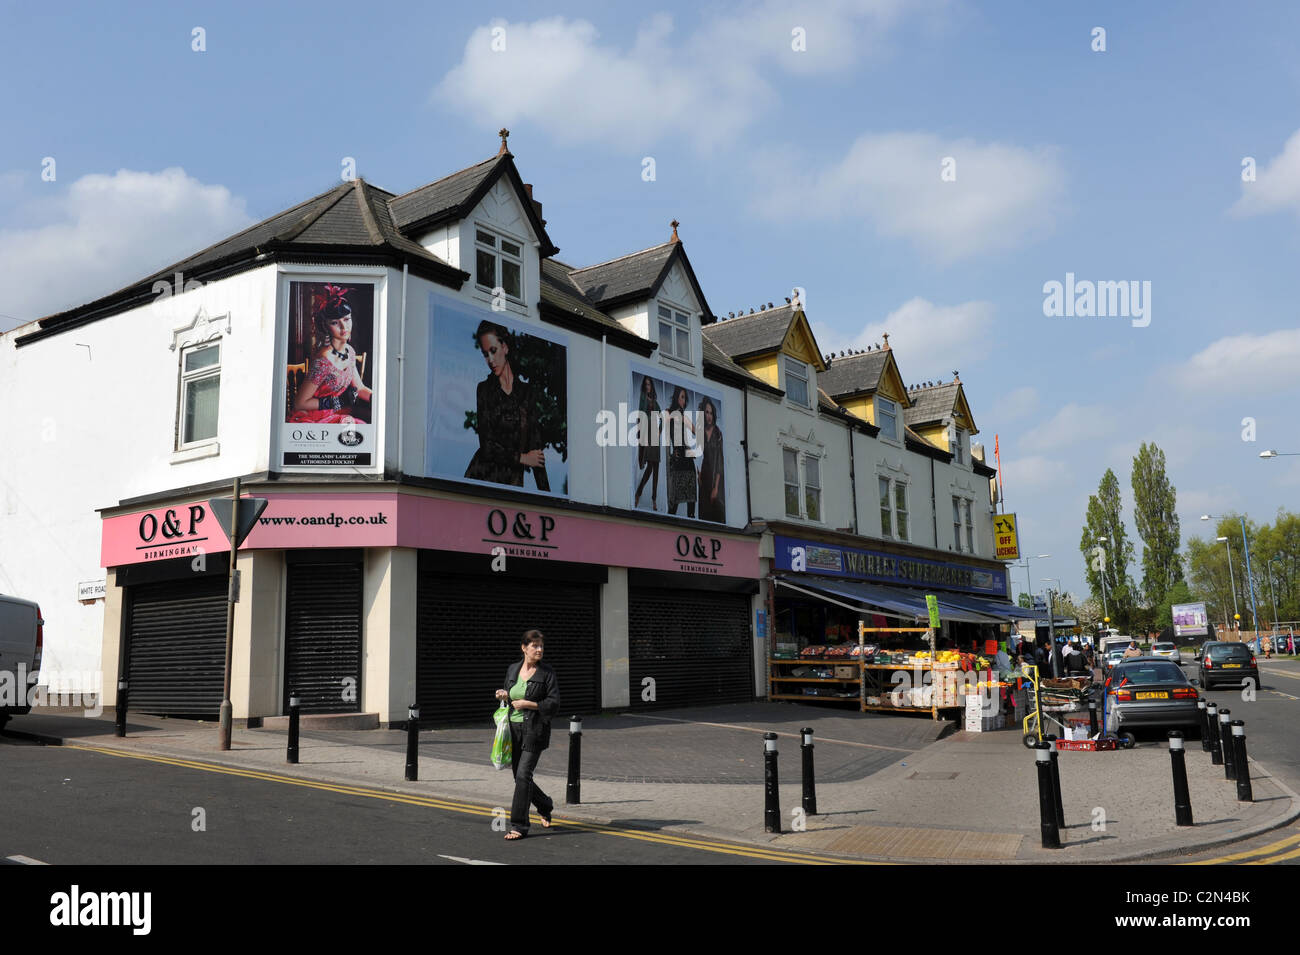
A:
[(1132, 650), (534, 695)]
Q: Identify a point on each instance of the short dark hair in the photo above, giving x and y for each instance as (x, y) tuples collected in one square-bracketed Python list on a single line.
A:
[(532, 636)]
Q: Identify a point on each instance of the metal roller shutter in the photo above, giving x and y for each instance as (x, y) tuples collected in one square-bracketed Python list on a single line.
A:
[(176, 647), (468, 633), (323, 637), (694, 644)]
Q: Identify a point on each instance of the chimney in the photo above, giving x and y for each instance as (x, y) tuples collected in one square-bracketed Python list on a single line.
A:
[(537, 206)]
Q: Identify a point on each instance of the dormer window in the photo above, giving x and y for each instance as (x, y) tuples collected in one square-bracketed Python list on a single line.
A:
[(674, 333), (887, 418), (499, 263), (796, 382), (959, 445)]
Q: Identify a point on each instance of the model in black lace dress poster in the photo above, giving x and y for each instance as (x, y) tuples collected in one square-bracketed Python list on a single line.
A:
[(509, 435)]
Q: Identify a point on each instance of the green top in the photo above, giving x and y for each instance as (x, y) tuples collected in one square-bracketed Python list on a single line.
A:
[(517, 693)]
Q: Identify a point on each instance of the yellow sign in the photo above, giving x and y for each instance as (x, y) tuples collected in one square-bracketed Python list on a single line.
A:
[(1005, 541)]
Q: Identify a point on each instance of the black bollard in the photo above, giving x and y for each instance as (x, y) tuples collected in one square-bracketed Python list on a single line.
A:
[(412, 743), (1244, 791), (1225, 742), (1056, 785), (809, 783), (1092, 717), (291, 754), (119, 713), (1205, 732), (771, 795), (573, 788), (1182, 795), (1212, 724), (1046, 799)]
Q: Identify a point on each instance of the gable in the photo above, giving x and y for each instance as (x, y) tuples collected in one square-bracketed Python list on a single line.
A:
[(676, 288), (961, 413), (891, 382), (501, 209), (800, 343)]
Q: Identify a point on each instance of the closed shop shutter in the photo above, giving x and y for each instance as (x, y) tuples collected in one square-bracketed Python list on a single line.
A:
[(469, 629), (323, 636), (694, 644), (176, 647)]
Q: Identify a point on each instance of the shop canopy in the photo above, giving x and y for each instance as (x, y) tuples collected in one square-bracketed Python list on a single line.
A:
[(899, 603), (1004, 611)]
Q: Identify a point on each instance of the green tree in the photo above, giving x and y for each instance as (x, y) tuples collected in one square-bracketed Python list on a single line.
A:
[(1155, 512), (1104, 520), (1179, 593), (1207, 578), (1025, 601)]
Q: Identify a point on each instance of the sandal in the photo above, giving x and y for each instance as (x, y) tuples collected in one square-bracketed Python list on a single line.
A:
[(514, 834), (546, 820)]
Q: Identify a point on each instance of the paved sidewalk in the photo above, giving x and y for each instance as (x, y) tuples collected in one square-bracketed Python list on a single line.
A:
[(888, 788)]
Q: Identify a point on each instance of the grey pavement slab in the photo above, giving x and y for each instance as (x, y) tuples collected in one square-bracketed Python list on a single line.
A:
[(887, 788)]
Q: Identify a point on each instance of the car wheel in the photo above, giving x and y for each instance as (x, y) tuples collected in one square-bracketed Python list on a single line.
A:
[(1201, 681)]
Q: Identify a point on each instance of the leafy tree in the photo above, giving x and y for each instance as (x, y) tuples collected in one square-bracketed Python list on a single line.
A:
[(1155, 512), (1025, 600), (1179, 593), (1207, 578), (1104, 520)]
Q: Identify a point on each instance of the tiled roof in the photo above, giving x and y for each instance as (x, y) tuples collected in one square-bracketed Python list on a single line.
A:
[(713, 355), (747, 335), (853, 374), (625, 277), (930, 405)]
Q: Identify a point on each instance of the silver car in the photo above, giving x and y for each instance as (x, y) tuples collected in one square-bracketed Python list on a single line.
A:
[(1168, 651)]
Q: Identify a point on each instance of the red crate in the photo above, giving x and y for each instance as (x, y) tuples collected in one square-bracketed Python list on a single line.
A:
[(1086, 745)]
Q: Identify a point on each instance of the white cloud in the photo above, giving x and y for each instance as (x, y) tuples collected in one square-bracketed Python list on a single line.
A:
[(1277, 184), (1071, 427), (104, 232), (1247, 362), (942, 336), (1032, 473), (703, 87), (1002, 193), (1014, 404)]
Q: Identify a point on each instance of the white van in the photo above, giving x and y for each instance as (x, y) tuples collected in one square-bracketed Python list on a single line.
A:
[(22, 637)]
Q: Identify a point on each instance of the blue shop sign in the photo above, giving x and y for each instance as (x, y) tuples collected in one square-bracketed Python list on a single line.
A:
[(828, 560)]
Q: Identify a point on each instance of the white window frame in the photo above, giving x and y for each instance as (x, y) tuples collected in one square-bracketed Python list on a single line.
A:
[(903, 534), (804, 486), (795, 369), (786, 485), (893, 413), (188, 378), (677, 319), (500, 255), (956, 523), (889, 510), (959, 445), (970, 527), (887, 507)]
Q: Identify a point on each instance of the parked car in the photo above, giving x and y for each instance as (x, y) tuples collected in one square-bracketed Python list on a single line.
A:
[(1113, 656), (22, 638), (1226, 663), (1150, 692), (1169, 651)]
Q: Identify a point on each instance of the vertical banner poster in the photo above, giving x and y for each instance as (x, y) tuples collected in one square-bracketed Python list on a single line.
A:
[(498, 401), (1190, 620), (329, 418), (676, 437)]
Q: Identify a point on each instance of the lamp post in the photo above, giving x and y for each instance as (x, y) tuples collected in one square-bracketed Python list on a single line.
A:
[(1279, 454), (1051, 626), (1104, 611), (1028, 579), (1232, 583), (1271, 589)]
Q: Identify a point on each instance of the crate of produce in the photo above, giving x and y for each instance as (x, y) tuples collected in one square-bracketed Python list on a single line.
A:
[(1085, 745)]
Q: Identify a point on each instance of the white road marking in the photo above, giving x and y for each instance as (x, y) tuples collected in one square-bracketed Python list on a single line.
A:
[(25, 860), (468, 861)]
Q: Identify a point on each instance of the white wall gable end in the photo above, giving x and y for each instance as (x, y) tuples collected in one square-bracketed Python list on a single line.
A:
[(201, 328)]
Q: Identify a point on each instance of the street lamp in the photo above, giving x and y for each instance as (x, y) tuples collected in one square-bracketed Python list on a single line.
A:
[(1232, 583), (1104, 611), (1245, 546), (1028, 579), (1279, 454), (1271, 562), (1051, 628)]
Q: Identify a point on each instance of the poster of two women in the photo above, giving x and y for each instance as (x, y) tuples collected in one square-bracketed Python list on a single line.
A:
[(679, 446)]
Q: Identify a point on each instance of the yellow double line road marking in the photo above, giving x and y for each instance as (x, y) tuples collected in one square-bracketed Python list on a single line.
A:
[(1273, 853), (448, 805)]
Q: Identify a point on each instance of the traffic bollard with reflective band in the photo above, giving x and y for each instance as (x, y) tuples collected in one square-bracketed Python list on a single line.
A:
[(1245, 792), (1056, 785), (1182, 795), (1205, 730), (1046, 798), (573, 788), (771, 794), (809, 784), (1092, 718), (1225, 742), (1212, 724), (291, 753), (120, 709), (412, 743)]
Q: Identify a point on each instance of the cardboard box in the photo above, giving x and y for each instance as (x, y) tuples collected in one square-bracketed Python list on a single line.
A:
[(846, 673)]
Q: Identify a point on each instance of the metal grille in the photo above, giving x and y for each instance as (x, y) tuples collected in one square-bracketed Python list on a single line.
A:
[(176, 647), (695, 645), (323, 637), (469, 630)]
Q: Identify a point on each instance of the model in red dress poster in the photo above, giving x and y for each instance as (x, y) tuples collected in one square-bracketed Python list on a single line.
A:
[(333, 384)]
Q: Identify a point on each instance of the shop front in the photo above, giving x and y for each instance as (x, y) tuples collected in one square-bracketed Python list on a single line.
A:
[(363, 601)]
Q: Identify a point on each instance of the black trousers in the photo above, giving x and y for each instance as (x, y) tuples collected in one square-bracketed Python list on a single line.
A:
[(522, 765)]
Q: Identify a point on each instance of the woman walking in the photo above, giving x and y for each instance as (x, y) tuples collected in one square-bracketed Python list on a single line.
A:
[(534, 695)]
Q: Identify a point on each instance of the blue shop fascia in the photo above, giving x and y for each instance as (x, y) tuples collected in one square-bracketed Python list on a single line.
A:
[(820, 588)]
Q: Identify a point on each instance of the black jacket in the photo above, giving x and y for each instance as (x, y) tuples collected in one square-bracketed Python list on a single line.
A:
[(544, 690)]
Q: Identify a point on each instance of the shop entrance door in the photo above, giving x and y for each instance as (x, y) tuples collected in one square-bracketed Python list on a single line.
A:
[(693, 644), (323, 631), (176, 647)]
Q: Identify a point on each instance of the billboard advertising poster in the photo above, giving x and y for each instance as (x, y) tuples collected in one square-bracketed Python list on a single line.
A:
[(329, 417), (498, 400), (675, 435), (1190, 620)]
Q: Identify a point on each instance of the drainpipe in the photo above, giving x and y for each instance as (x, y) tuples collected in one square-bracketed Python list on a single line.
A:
[(604, 451), (934, 507), (744, 415), (401, 368), (853, 482)]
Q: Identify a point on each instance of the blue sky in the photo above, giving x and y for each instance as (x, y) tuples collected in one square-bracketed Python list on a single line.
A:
[(817, 167)]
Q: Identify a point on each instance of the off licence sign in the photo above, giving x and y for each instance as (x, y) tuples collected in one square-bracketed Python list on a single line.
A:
[(1005, 538)]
